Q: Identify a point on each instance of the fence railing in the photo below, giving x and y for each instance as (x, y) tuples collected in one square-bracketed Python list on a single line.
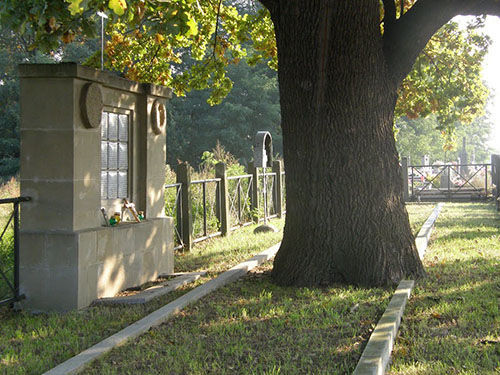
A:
[(9, 251), (447, 181), (212, 207), (240, 200)]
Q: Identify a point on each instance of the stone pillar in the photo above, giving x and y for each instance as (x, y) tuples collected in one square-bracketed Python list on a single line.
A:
[(404, 177), (255, 191), (278, 201), (221, 172), (69, 257), (184, 177)]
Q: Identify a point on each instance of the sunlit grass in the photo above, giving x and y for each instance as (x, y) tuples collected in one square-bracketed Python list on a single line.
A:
[(418, 214), (32, 344), (256, 327), (252, 324), (452, 322)]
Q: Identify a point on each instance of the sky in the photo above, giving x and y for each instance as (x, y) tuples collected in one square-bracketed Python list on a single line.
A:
[(491, 74)]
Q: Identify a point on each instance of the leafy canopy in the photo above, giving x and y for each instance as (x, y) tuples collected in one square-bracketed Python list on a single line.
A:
[(149, 39)]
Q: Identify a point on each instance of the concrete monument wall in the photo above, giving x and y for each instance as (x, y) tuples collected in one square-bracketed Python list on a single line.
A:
[(68, 257)]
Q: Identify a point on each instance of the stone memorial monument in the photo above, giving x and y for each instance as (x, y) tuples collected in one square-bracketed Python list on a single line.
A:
[(90, 140)]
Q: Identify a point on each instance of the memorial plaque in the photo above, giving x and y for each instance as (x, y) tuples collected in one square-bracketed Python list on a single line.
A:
[(122, 184), (113, 126), (123, 156), (104, 155), (104, 125), (112, 185), (112, 155), (123, 128), (104, 185)]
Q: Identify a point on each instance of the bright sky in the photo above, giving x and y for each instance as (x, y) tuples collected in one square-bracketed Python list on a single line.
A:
[(491, 75)]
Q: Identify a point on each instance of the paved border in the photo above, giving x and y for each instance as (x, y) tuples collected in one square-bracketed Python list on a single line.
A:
[(424, 235), (377, 353), (79, 362), (150, 293)]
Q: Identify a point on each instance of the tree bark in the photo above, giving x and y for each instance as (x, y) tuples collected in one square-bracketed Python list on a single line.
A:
[(346, 220)]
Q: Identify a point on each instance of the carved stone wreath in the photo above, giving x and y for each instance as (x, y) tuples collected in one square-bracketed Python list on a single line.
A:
[(158, 117)]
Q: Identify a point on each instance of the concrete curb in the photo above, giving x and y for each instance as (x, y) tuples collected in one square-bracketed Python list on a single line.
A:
[(79, 362), (376, 355), (425, 232), (377, 352), (153, 292)]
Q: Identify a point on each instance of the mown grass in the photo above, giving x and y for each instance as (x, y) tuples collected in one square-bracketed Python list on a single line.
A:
[(418, 213), (243, 322), (32, 344), (256, 327), (452, 322)]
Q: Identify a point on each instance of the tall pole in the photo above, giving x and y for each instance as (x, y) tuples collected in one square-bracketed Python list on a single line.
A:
[(103, 16)]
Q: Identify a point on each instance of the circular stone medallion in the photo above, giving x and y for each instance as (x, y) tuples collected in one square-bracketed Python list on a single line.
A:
[(92, 105)]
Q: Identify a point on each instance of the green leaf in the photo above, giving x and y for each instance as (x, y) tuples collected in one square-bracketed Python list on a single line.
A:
[(118, 6), (193, 27), (74, 7)]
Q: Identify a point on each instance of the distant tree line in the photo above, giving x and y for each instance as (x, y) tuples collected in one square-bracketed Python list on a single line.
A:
[(195, 127)]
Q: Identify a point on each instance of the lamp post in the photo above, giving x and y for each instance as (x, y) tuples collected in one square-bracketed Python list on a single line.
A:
[(103, 16)]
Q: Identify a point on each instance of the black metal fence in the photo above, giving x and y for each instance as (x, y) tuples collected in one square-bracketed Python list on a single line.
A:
[(240, 200), (212, 207), (9, 250)]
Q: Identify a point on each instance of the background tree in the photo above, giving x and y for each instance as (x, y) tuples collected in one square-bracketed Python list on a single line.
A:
[(339, 71), (17, 49), (446, 79), (14, 50), (252, 105), (418, 137)]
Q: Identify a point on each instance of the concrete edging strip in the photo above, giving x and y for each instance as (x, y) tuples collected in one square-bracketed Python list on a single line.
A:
[(425, 232), (77, 363), (378, 350), (153, 292)]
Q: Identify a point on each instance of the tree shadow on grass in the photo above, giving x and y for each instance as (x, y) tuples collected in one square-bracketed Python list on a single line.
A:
[(256, 327)]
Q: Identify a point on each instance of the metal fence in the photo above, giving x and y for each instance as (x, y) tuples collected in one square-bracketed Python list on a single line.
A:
[(9, 250), (207, 208), (269, 198), (173, 208), (240, 200), (449, 182)]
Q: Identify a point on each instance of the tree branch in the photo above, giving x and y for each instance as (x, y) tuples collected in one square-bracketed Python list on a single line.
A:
[(389, 12), (271, 5), (407, 37)]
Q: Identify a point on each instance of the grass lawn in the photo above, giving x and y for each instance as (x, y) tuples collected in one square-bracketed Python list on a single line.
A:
[(252, 322), (256, 327), (418, 213), (32, 344), (452, 321)]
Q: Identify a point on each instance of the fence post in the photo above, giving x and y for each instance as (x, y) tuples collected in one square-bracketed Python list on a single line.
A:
[(404, 176), (255, 191), (495, 178), (221, 172), (184, 177), (278, 188)]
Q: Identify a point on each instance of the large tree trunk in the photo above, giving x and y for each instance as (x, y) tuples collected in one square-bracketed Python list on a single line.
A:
[(346, 220)]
